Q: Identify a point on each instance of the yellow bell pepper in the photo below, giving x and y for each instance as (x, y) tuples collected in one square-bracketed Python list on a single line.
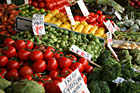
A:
[(101, 31), (93, 30), (79, 28), (86, 29)]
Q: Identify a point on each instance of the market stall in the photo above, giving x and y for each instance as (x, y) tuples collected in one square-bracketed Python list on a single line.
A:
[(69, 46)]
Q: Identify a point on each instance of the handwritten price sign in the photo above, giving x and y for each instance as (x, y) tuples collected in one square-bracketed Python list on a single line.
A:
[(83, 7), (8, 1), (38, 24), (69, 13), (109, 38), (80, 52)]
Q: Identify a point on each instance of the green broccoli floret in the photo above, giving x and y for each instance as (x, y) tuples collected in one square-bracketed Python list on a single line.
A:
[(98, 87), (129, 87), (25, 86), (128, 73)]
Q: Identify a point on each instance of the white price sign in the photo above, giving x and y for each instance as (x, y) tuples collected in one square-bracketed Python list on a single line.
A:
[(118, 15), (109, 38), (73, 83), (8, 1), (69, 13), (116, 28), (26, 1), (83, 7), (38, 24), (80, 52)]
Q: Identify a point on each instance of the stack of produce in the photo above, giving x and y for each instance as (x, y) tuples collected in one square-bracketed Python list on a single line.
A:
[(63, 40), (63, 21), (7, 18), (38, 64), (135, 3), (28, 11), (51, 4)]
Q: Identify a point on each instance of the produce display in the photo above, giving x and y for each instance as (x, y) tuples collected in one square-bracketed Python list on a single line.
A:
[(99, 54), (63, 40)]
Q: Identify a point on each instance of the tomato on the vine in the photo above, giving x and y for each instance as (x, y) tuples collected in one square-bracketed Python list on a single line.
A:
[(13, 65), (84, 78), (84, 62), (72, 57), (65, 72), (37, 75), (8, 42), (56, 55), (9, 51), (3, 71), (47, 55), (3, 61), (53, 74), (29, 77), (36, 55), (39, 66), (77, 18), (99, 12), (23, 55), (12, 74), (19, 44), (60, 78), (52, 64), (29, 44), (76, 65), (25, 71), (89, 69), (50, 48), (39, 47), (46, 78), (64, 62)]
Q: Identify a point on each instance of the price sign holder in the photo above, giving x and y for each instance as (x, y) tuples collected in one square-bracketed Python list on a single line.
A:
[(9, 2), (83, 7), (73, 83), (69, 13), (38, 25), (82, 53), (109, 43)]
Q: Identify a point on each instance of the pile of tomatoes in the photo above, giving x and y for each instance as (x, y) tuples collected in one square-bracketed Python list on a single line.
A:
[(24, 60), (93, 19)]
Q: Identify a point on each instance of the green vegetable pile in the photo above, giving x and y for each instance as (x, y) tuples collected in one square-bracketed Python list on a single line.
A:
[(62, 40), (127, 36)]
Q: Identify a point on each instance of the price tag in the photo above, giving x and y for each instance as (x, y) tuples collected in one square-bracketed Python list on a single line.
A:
[(116, 28), (8, 2), (69, 13), (83, 7), (109, 26), (73, 83), (109, 38), (118, 15), (38, 24), (80, 52), (26, 1), (119, 80)]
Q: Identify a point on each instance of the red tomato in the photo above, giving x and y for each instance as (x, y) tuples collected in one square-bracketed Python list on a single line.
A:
[(39, 47), (82, 19), (64, 62), (12, 74), (47, 55), (36, 55), (19, 44), (102, 16), (21, 63), (91, 20), (23, 55), (52, 87), (53, 74), (49, 6), (12, 65), (65, 72), (100, 19), (3, 61), (26, 64), (46, 78), (84, 62), (41, 5), (41, 83), (50, 48), (60, 78), (35, 4), (96, 16), (84, 78), (89, 69), (94, 24), (39, 0), (76, 65), (77, 18), (9, 51), (3, 71), (29, 77), (52, 64), (1, 76), (29, 44), (101, 24), (30, 2), (56, 55), (85, 17), (25, 71), (37, 75), (72, 57), (91, 14), (8, 42), (99, 12), (39, 66)]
